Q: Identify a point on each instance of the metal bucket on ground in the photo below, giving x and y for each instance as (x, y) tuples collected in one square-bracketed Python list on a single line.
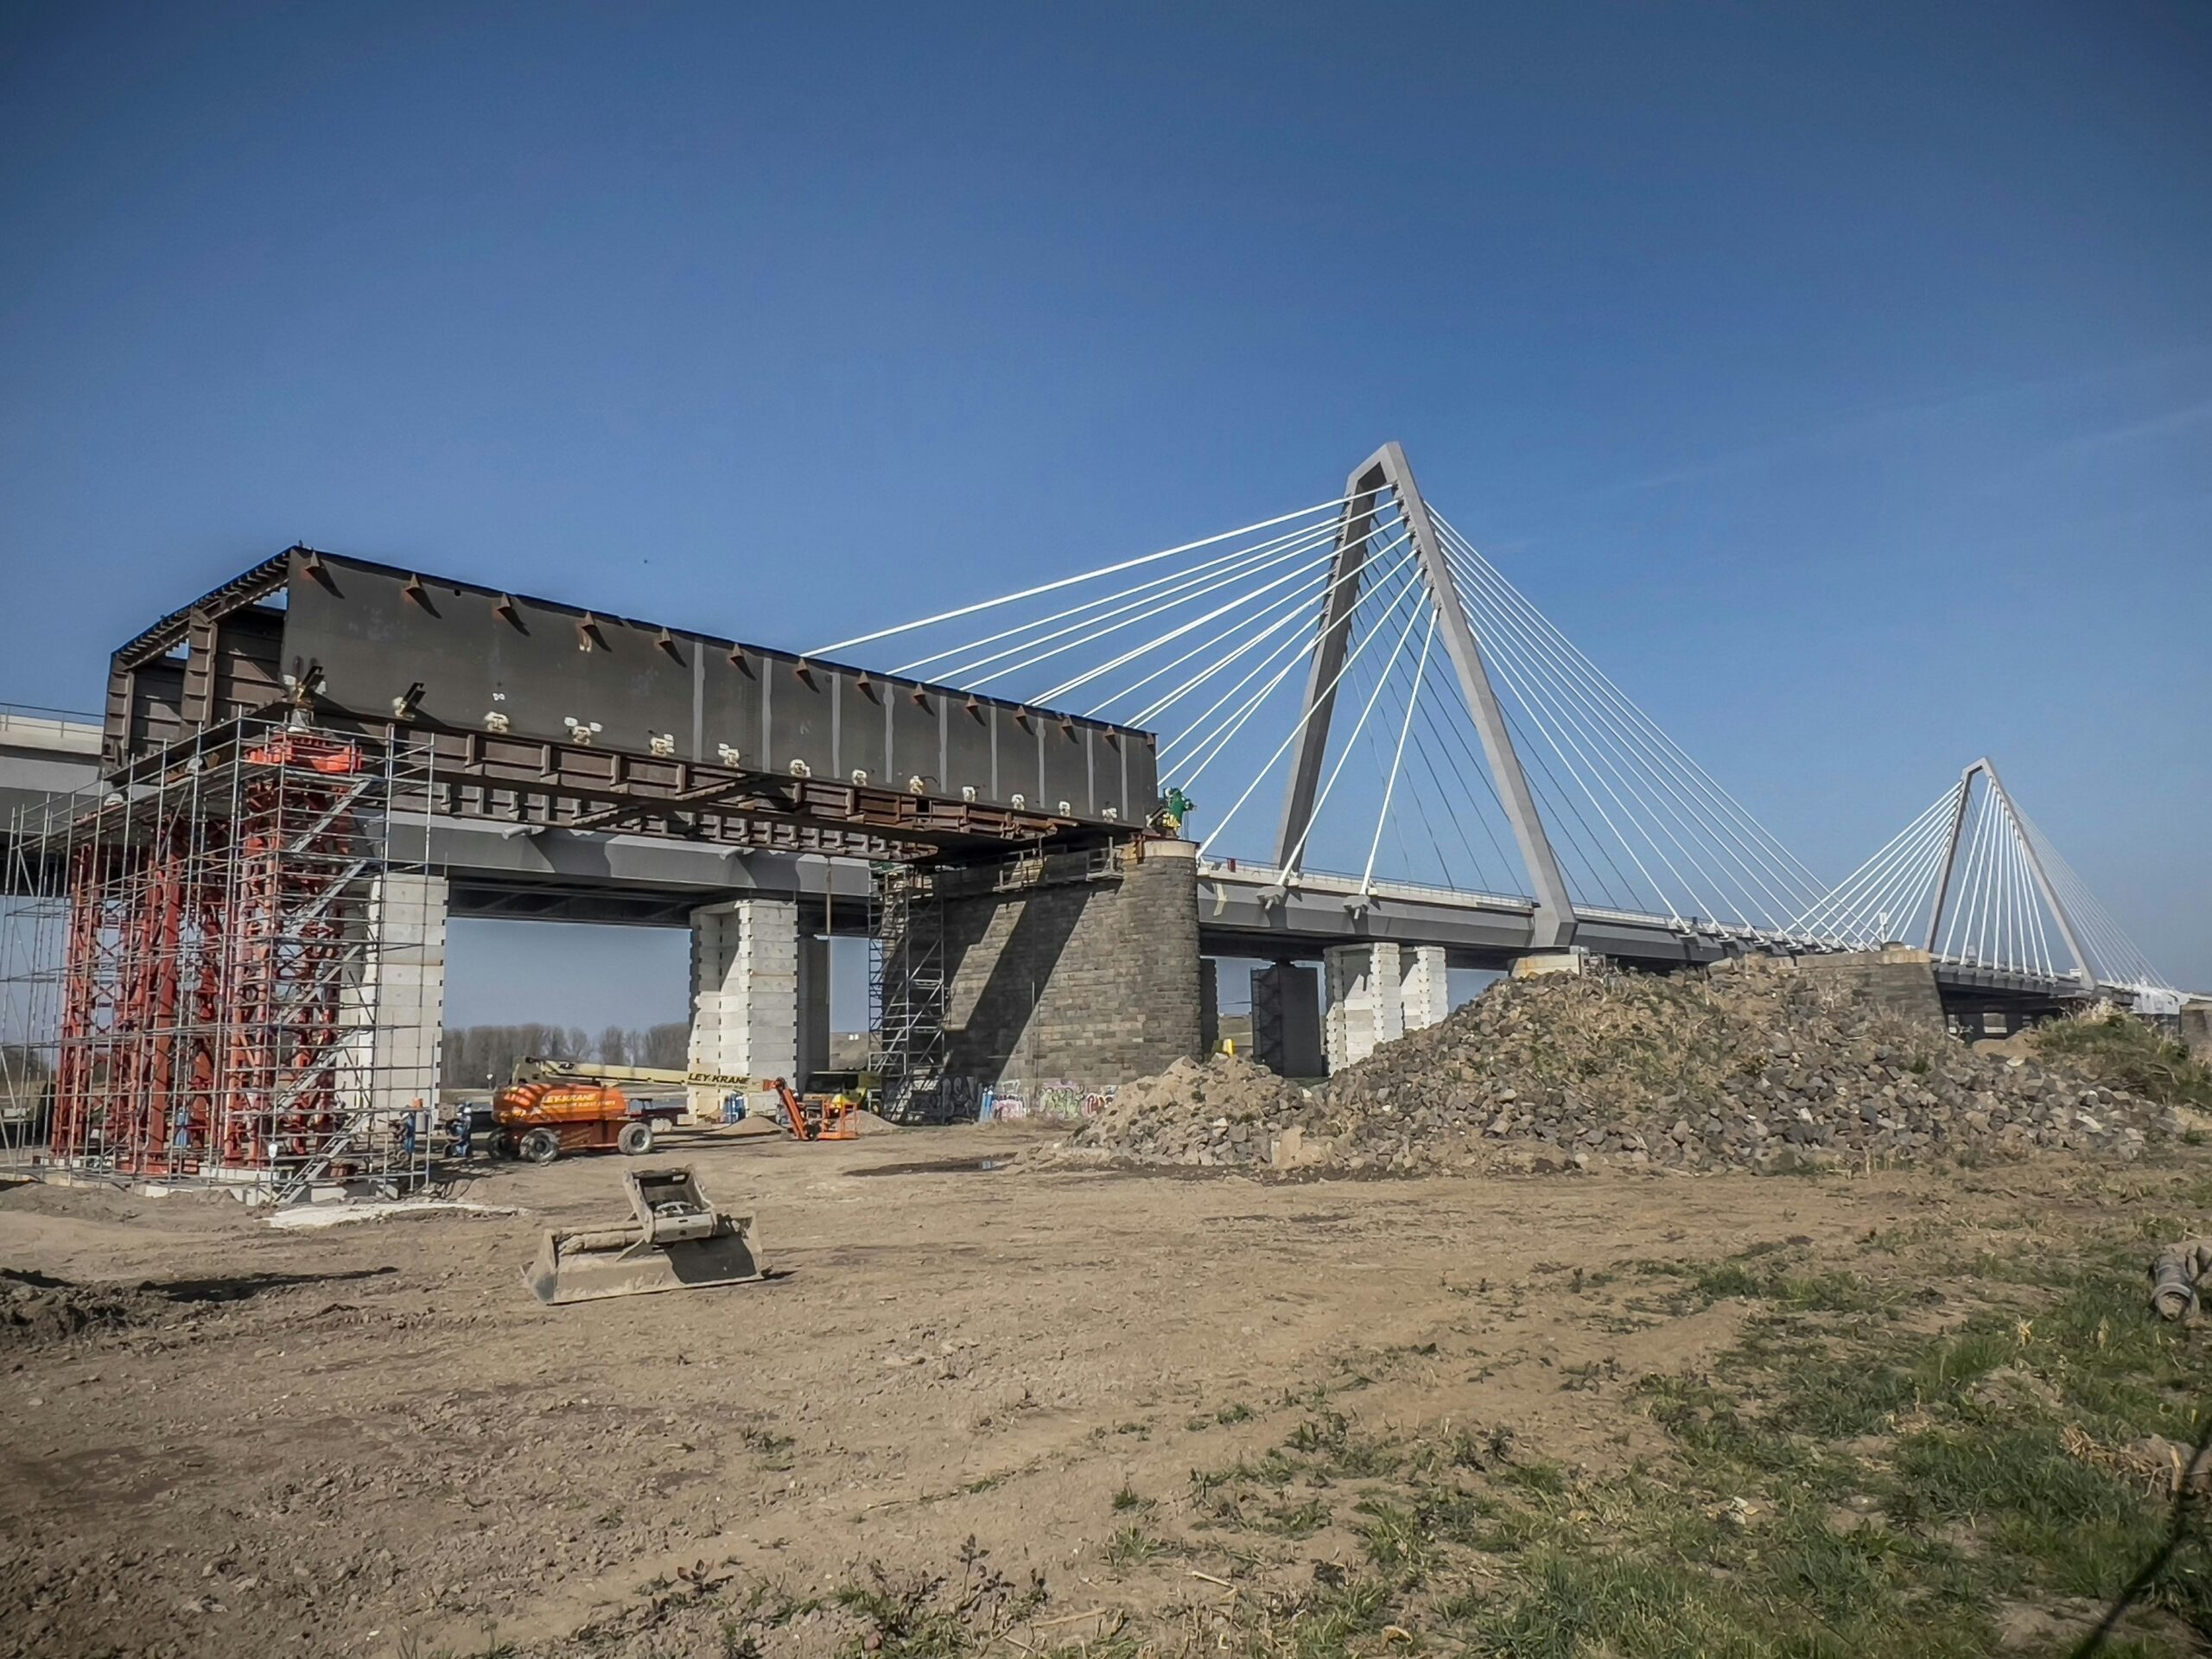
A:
[(678, 1242)]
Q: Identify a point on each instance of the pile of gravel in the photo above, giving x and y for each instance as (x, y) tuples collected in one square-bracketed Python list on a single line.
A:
[(1748, 1065)]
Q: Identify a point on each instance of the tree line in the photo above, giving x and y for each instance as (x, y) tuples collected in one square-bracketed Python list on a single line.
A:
[(473, 1056)]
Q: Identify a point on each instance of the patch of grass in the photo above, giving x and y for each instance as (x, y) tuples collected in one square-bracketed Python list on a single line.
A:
[(1879, 1468), (936, 1616), (773, 1450), (2121, 1052), (1819, 1293), (1333, 1448), (1132, 1546), (1128, 1499), (1297, 1520)]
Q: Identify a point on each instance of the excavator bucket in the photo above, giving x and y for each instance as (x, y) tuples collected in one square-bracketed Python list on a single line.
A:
[(678, 1242)]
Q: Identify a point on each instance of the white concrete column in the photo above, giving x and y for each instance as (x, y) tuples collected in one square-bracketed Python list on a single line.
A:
[(1425, 987), (403, 989), (1363, 1005), (744, 993)]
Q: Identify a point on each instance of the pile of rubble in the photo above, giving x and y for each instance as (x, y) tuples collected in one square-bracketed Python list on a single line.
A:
[(37, 1308), (1746, 1065)]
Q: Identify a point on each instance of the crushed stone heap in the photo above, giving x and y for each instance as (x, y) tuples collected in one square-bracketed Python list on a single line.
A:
[(1747, 1064)]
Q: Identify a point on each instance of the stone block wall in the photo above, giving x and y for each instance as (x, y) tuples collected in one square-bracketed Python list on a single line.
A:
[(2197, 1029), (1073, 968), (1898, 978)]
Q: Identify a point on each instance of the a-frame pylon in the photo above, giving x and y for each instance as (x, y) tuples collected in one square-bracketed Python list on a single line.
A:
[(1987, 768), (1388, 470)]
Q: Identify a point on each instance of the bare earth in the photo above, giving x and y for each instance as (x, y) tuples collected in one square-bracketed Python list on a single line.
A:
[(370, 1439)]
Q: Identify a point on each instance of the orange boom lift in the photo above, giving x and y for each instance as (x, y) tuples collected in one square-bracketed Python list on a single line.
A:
[(552, 1107)]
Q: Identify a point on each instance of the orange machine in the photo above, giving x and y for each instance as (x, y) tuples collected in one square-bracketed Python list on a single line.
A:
[(817, 1117), (550, 1107)]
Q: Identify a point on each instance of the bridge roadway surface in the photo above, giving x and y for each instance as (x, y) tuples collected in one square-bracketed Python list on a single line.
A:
[(514, 873)]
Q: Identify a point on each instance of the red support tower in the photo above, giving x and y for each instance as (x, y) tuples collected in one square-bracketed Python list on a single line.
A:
[(221, 1011)]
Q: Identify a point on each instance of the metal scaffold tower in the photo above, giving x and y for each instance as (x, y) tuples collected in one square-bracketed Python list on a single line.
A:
[(906, 989), (216, 968)]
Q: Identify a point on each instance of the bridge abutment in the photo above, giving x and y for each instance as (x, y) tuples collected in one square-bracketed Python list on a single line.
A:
[(1079, 968)]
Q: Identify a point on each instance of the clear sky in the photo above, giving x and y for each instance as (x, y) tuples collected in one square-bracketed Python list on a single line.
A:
[(1839, 377)]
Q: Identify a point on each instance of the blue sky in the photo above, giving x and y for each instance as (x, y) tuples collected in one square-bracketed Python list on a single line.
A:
[(1838, 378)]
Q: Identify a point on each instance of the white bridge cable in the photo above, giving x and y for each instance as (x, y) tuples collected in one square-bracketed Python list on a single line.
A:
[(1613, 767), (1271, 620), (1314, 560), (1582, 846), (1080, 633), (1501, 661), (1465, 803), (1970, 928), (1580, 849), (1089, 575), (1398, 760), (1351, 741), (1573, 833), (2027, 907), (1737, 877), (1296, 647), (1217, 742), (1653, 738), (1996, 914), (1740, 872), (2114, 959), (1310, 568), (1412, 779), (1032, 626), (1405, 584), (1895, 886)]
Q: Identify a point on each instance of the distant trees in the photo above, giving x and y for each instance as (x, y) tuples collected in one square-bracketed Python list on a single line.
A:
[(478, 1057)]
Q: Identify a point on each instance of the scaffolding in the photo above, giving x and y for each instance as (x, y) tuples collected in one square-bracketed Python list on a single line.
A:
[(216, 968), (907, 990)]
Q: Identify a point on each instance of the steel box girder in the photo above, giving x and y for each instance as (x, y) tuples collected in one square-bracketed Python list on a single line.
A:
[(375, 644)]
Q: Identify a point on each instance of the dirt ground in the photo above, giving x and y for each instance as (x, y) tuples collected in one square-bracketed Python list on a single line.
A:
[(370, 1439)]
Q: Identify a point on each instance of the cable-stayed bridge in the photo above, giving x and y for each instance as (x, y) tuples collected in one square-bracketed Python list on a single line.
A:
[(1385, 740), (1377, 753)]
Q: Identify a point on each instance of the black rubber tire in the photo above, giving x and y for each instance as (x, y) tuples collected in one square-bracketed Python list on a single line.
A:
[(635, 1139), (540, 1146), (505, 1145)]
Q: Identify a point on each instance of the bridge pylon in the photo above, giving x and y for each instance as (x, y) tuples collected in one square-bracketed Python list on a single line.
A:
[(2029, 854), (1387, 473)]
